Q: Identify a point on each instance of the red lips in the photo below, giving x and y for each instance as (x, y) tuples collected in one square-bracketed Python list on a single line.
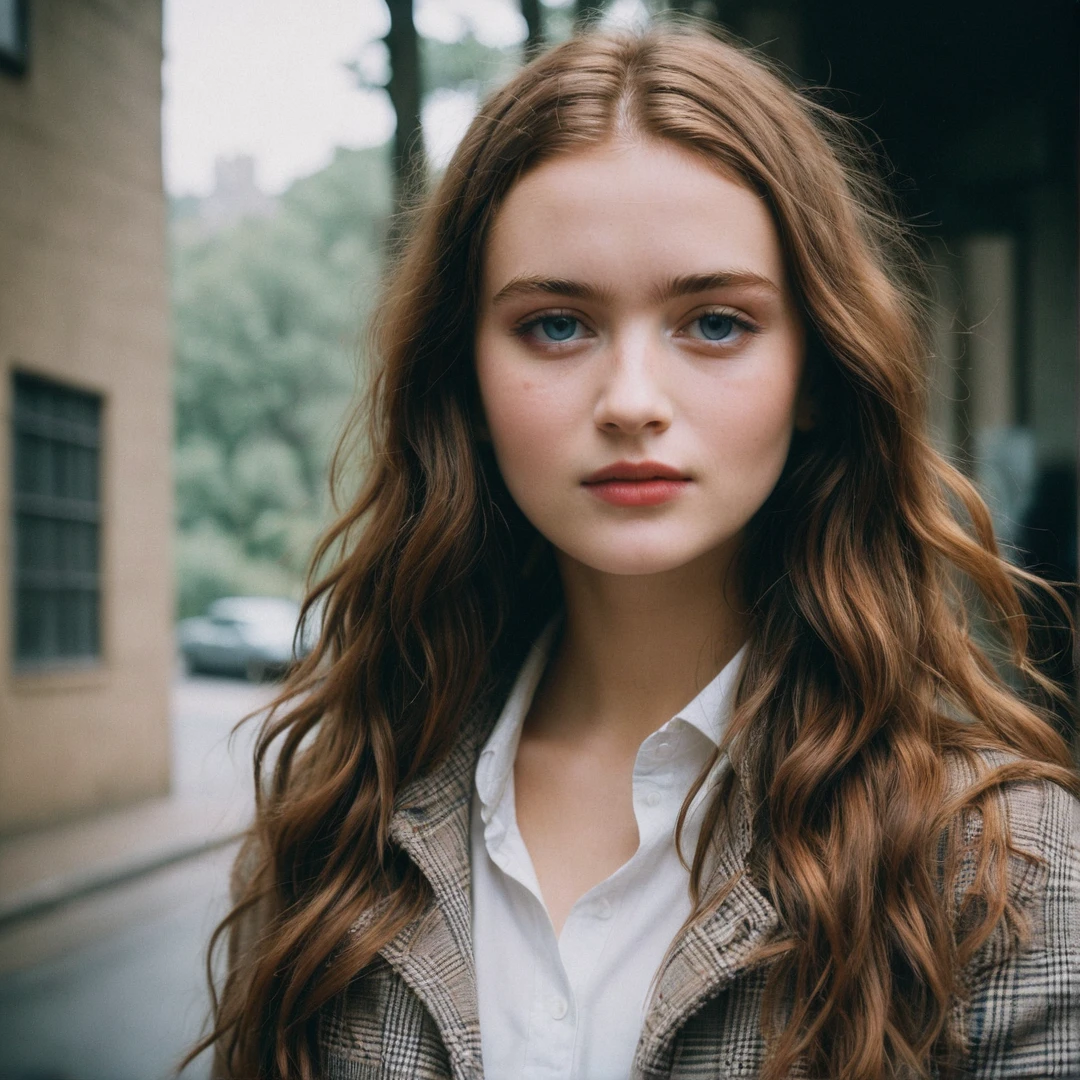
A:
[(636, 483), (635, 470)]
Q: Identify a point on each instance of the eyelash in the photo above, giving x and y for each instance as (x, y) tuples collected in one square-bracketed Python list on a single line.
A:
[(523, 328), (530, 323), (741, 321)]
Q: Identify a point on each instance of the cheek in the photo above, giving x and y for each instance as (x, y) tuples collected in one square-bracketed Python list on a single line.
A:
[(519, 402), (512, 406), (527, 417), (749, 426)]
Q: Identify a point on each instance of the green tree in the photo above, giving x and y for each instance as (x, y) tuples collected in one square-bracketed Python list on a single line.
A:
[(466, 64), (267, 316)]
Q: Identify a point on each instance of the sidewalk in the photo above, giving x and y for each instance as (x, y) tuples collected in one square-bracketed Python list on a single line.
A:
[(209, 806), (40, 870)]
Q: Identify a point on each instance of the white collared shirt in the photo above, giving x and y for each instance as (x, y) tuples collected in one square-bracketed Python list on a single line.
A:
[(572, 1007)]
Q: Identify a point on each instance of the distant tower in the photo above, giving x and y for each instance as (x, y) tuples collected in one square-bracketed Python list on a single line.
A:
[(236, 195)]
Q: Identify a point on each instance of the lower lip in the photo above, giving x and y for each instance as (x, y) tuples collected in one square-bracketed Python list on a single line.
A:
[(637, 492)]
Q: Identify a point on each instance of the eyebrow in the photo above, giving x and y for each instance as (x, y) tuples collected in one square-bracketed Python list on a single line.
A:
[(685, 285), (526, 285), (689, 284)]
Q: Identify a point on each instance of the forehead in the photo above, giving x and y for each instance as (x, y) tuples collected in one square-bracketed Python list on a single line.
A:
[(629, 213)]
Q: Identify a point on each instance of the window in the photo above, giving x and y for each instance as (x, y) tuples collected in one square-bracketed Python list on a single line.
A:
[(13, 36), (57, 522)]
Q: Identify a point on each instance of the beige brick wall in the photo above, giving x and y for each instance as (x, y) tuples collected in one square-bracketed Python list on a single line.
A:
[(83, 300)]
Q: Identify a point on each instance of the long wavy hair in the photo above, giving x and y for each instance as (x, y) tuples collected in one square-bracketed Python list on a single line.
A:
[(863, 573)]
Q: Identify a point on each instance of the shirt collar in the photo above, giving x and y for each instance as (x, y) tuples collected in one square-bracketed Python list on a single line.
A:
[(496, 764), (708, 713)]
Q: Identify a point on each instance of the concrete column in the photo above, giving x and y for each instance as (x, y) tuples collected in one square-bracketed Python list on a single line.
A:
[(1003, 451), (947, 410), (989, 282)]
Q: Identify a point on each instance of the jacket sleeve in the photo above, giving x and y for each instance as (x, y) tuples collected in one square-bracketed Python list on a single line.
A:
[(1022, 1017)]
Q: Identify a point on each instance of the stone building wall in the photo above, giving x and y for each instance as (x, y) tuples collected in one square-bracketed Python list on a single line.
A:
[(84, 304)]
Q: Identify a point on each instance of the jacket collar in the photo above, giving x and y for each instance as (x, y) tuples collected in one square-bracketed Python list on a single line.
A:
[(707, 955), (433, 954)]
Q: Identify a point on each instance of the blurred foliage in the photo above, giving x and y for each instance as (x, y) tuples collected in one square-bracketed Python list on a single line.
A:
[(465, 65), (460, 65), (559, 21), (267, 317)]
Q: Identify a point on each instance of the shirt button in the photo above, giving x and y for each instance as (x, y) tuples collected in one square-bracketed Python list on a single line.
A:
[(558, 1008), (603, 908), (653, 798), (663, 750)]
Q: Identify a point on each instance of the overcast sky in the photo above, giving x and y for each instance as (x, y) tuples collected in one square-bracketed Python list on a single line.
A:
[(267, 78)]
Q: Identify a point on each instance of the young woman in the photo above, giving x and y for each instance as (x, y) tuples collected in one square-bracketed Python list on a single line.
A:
[(647, 735)]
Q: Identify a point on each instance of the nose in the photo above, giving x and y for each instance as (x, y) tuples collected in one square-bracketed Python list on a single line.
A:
[(632, 398)]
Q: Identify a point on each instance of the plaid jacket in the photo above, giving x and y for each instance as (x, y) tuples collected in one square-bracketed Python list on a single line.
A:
[(415, 1016)]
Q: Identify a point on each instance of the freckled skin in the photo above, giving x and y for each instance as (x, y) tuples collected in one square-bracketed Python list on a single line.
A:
[(625, 218)]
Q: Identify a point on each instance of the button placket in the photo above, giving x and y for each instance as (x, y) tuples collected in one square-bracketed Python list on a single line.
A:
[(583, 939), (551, 1046)]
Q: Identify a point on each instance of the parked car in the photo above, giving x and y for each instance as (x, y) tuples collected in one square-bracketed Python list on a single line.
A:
[(250, 636)]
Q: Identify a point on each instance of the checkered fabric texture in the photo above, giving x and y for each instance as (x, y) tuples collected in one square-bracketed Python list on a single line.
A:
[(415, 1016)]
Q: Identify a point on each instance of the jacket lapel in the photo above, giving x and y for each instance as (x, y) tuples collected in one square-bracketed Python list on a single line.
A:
[(433, 955), (708, 955)]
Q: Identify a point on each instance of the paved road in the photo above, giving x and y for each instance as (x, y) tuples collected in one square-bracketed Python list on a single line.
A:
[(207, 758), (111, 987)]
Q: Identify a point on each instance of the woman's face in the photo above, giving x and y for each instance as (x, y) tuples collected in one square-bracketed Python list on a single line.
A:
[(639, 355)]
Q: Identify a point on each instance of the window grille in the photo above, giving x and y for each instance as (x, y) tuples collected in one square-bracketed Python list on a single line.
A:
[(57, 522)]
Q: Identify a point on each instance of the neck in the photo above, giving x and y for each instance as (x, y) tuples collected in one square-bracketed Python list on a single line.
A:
[(637, 648)]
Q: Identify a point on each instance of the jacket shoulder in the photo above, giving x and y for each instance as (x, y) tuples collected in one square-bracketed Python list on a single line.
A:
[(1021, 1016), (1041, 815)]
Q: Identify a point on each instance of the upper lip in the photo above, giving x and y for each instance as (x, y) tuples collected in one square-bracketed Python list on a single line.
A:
[(635, 470)]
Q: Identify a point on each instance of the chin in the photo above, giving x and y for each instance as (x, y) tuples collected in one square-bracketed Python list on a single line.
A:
[(636, 561)]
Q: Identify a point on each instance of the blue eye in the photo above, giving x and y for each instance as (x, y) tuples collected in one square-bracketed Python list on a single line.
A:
[(558, 327), (717, 327)]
